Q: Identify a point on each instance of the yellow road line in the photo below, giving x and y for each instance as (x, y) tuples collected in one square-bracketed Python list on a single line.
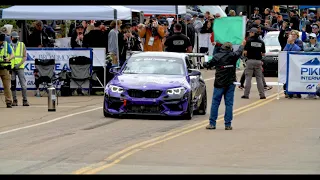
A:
[(96, 170), (147, 143)]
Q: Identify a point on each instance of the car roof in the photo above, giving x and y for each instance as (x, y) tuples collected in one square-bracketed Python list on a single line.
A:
[(161, 54)]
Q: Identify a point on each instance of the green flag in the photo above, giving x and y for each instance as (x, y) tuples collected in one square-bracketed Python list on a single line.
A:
[(230, 29)]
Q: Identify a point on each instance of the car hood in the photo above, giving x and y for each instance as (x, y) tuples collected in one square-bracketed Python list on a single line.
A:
[(147, 81)]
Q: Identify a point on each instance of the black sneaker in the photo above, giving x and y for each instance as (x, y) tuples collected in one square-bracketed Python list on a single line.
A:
[(228, 128), (9, 105), (244, 97), (210, 127), (25, 103), (15, 103), (263, 97)]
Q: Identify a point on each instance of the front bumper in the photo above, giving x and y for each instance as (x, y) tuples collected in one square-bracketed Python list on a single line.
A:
[(164, 105)]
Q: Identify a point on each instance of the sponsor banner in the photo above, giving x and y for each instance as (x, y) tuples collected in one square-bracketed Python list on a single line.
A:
[(61, 56), (303, 73)]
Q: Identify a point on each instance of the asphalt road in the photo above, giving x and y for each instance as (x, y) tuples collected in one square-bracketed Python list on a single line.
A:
[(269, 136)]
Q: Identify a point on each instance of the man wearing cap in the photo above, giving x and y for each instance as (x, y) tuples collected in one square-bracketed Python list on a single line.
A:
[(190, 30), (254, 50), (6, 55), (315, 30), (255, 13), (17, 65), (225, 62)]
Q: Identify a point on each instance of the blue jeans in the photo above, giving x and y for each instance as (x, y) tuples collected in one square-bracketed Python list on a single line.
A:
[(228, 94)]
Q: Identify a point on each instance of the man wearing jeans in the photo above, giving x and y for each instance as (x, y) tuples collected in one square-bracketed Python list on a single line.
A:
[(225, 62), (17, 65)]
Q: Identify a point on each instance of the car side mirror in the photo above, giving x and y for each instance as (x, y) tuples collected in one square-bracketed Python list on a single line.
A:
[(115, 70), (194, 72)]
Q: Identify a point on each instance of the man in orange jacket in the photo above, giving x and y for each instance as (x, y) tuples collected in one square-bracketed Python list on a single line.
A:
[(153, 34)]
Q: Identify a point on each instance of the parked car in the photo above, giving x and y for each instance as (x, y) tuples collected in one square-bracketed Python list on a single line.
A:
[(156, 83), (270, 61)]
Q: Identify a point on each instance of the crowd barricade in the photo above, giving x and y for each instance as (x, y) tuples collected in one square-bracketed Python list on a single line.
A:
[(300, 71), (62, 56)]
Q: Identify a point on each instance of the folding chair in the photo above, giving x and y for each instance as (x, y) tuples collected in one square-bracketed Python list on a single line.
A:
[(45, 68), (81, 74)]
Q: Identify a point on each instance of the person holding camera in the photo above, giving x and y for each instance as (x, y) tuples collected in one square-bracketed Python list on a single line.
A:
[(6, 55), (17, 66), (153, 34), (39, 38)]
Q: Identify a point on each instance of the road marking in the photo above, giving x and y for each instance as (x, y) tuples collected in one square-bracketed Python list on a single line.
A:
[(62, 106), (50, 121), (105, 166), (144, 143), (57, 119)]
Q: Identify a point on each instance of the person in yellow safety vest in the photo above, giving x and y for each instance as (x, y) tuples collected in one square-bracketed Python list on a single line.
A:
[(6, 55), (17, 65)]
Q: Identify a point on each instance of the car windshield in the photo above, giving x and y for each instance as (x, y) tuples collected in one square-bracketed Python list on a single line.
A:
[(154, 65), (271, 40)]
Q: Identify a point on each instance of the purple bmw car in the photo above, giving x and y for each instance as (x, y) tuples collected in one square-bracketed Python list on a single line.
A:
[(156, 83)]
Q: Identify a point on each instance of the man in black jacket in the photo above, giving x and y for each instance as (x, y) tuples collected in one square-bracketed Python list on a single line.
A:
[(225, 62)]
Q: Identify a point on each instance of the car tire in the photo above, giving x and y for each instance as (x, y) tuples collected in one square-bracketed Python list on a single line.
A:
[(203, 106), (189, 114)]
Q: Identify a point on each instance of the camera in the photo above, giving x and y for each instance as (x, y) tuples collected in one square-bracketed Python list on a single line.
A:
[(5, 65)]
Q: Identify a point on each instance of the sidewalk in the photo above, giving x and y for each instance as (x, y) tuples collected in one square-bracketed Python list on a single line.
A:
[(280, 137)]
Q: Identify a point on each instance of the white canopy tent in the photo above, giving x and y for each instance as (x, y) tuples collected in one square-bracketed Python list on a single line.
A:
[(66, 12), (160, 9)]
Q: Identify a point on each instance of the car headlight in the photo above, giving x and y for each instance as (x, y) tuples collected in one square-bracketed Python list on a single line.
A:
[(180, 90), (116, 89)]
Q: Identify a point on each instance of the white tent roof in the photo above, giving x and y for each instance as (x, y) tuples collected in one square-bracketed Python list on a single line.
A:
[(159, 9), (66, 12)]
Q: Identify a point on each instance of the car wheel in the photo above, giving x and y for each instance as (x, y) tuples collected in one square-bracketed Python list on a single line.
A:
[(203, 106), (189, 114)]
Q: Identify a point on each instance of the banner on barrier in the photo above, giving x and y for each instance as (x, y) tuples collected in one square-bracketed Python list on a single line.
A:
[(303, 75), (282, 66), (61, 56)]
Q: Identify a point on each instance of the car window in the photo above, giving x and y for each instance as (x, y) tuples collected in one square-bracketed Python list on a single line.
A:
[(154, 65), (271, 40)]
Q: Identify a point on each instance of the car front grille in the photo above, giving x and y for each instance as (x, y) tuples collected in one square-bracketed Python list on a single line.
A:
[(144, 109), (144, 94)]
